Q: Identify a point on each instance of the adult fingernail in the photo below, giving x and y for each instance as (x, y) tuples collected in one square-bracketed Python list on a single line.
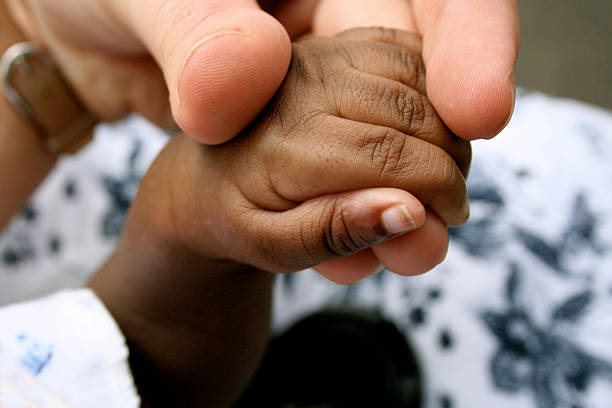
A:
[(397, 220)]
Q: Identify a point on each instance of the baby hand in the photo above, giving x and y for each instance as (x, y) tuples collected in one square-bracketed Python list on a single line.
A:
[(347, 156)]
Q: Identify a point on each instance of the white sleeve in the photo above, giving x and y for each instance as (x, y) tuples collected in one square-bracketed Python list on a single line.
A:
[(64, 350)]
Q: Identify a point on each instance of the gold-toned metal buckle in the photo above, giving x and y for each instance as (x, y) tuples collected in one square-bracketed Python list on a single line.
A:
[(35, 87)]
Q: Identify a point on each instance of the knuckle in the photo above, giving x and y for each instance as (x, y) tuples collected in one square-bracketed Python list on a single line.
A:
[(411, 163), (346, 54), (309, 60), (383, 34), (412, 67), (413, 110), (448, 192), (310, 76), (339, 237), (388, 153), (443, 172), (463, 156)]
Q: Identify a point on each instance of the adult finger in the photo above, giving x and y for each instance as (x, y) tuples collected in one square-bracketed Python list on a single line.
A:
[(222, 59), (470, 48), (334, 16), (294, 15)]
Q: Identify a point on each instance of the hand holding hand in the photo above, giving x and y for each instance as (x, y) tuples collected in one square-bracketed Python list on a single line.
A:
[(469, 49), (217, 62), (325, 172), (328, 169)]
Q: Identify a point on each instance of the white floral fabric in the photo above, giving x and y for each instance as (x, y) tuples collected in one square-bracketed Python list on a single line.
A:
[(519, 314), (63, 351)]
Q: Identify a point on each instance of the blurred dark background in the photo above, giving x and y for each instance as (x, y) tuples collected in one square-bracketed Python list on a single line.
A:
[(567, 49)]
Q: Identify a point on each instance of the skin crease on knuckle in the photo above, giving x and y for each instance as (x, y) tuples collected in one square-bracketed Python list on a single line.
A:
[(454, 201), (444, 187), (340, 238), (312, 61), (415, 75), (422, 168), (388, 61), (405, 107)]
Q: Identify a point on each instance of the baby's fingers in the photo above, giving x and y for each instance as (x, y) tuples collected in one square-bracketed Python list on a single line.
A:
[(350, 269), (355, 156), (412, 253), (418, 251), (327, 228)]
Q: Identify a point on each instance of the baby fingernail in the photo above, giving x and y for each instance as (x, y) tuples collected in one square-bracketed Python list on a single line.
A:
[(397, 220)]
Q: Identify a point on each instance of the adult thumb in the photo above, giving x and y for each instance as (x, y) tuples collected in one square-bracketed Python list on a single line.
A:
[(222, 59)]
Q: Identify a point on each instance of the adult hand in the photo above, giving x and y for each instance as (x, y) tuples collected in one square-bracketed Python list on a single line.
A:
[(324, 172), (469, 49), (219, 82), (221, 60)]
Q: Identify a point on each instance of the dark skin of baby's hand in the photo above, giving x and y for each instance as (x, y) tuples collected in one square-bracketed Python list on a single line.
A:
[(350, 133)]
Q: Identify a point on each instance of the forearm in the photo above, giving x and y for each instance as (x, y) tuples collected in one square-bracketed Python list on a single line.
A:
[(24, 161), (196, 328)]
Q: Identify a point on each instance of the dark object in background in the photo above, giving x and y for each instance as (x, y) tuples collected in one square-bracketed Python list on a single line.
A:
[(337, 359)]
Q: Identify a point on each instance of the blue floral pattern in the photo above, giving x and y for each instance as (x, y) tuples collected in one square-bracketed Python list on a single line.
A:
[(542, 358), (507, 320), (121, 191)]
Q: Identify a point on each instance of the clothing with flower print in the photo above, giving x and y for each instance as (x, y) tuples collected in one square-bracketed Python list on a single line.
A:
[(517, 315)]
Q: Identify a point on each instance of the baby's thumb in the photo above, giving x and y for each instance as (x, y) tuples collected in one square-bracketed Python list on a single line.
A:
[(334, 226), (222, 60)]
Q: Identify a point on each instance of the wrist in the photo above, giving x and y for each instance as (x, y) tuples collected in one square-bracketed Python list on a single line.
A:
[(182, 204), (160, 244), (184, 316)]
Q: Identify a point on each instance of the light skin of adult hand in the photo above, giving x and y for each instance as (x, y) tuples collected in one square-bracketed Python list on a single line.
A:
[(217, 62), (223, 59), (469, 49)]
